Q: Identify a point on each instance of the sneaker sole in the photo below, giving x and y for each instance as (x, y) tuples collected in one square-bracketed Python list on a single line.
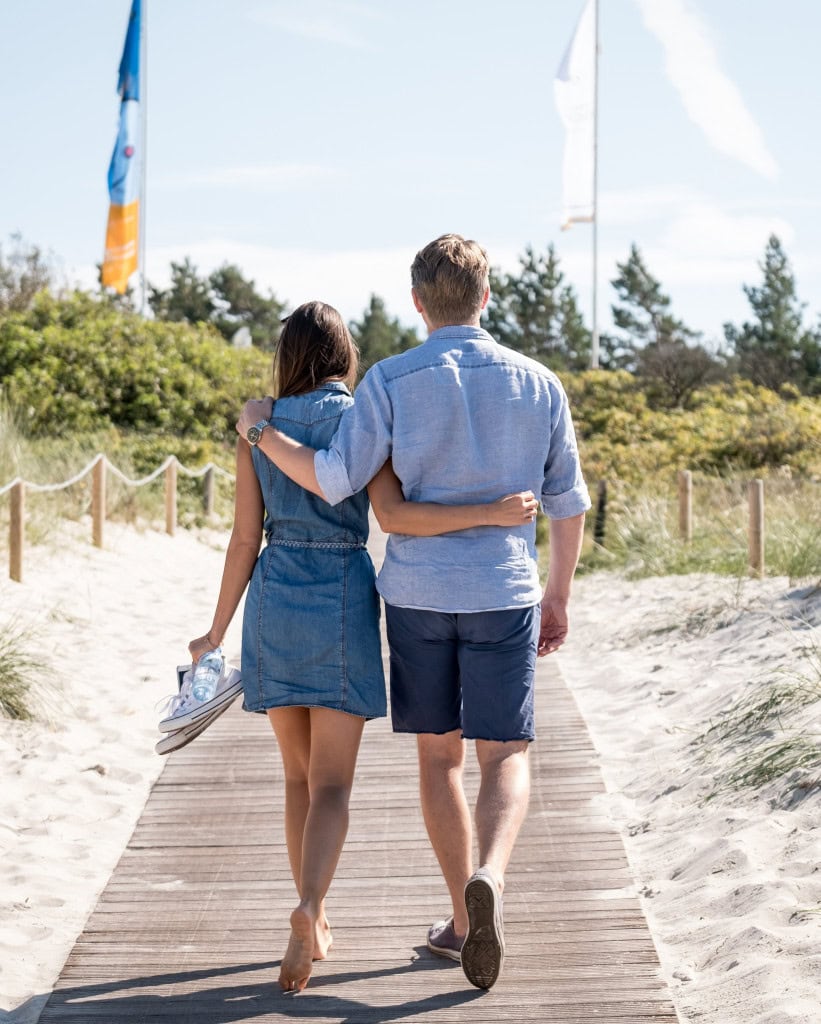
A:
[(182, 737), (225, 697), (484, 950)]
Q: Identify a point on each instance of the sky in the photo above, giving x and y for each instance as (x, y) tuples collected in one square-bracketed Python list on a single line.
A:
[(318, 144)]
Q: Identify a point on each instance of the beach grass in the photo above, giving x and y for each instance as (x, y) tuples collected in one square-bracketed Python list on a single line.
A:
[(642, 535), (20, 672), (774, 732)]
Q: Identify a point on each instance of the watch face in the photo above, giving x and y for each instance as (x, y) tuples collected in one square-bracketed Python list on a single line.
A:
[(253, 435)]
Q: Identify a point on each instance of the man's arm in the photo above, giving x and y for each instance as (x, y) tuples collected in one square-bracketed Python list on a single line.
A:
[(359, 448), (565, 547), (294, 459)]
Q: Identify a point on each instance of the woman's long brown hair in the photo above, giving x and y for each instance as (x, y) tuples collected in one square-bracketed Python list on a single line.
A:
[(315, 345)]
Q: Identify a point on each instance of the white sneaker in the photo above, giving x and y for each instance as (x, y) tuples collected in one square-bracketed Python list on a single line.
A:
[(183, 736), (185, 709)]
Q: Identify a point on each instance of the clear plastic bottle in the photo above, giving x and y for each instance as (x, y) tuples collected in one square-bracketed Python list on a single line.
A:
[(207, 674)]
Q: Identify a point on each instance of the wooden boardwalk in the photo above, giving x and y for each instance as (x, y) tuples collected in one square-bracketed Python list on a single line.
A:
[(192, 923)]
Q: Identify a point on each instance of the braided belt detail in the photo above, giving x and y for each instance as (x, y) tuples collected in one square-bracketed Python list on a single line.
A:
[(320, 544)]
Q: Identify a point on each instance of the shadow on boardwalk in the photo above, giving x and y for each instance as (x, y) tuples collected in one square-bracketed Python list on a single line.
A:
[(249, 996)]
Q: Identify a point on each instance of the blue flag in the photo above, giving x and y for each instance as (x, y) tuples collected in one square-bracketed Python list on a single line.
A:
[(121, 246)]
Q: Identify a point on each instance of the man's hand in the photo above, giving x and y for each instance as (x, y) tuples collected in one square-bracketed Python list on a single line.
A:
[(252, 412), (514, 509), (553, 632)]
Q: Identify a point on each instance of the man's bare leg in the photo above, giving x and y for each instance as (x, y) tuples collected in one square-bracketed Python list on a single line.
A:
[(501, 806), (446, 813), (500, 810)]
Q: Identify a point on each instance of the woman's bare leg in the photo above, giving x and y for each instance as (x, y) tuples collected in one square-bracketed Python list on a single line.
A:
[(293, 731), (334, 745)]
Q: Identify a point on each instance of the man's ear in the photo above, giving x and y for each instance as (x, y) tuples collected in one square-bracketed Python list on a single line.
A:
[(416, 302), (485, 297)]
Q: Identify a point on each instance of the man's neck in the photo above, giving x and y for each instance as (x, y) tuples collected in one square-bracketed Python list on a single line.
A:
[(462, 323)]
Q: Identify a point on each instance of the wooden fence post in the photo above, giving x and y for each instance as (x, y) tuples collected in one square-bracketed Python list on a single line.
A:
[(17, 531), (685, 505), (756, 528), (208, 492), (171, 497), (600, 521), (98, 503)]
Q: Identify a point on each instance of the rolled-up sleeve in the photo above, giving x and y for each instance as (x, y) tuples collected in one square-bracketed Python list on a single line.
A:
[(564, 492), (361, 444)]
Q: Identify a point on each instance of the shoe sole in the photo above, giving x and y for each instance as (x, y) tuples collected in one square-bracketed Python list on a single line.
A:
[(484, 950), (226, 696), (182, 737)]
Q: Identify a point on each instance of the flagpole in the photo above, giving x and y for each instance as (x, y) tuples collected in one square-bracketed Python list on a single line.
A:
[(143, 150), (594, 341)]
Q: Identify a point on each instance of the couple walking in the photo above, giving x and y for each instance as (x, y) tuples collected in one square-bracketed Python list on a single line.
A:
[(449, 442)]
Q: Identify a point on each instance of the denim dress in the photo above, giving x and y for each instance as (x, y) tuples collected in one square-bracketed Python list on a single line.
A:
[(310, 632)]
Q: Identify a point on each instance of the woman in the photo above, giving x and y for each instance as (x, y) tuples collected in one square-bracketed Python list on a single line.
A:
[(311, 657)]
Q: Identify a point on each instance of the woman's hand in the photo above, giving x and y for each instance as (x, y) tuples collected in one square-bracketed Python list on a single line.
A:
[(513, 509), (252, 412), (199, 647)]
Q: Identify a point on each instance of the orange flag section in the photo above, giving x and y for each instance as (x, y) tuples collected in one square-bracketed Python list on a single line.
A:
[(120, 260)]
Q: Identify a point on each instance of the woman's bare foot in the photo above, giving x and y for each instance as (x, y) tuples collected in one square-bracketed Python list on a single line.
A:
[(323, 940), (295, 969)]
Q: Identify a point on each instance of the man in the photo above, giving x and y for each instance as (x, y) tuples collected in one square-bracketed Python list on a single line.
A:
[(464, 420)]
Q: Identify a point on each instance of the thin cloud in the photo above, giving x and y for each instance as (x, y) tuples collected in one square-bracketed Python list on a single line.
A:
[(711, 99), (324, 22), (263, 177), (709, 231), (628, 207)]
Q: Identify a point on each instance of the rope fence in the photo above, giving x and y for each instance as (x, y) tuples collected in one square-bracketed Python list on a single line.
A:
[(99, 467)]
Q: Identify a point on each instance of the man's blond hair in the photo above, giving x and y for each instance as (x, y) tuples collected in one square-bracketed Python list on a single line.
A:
[(450, 276)]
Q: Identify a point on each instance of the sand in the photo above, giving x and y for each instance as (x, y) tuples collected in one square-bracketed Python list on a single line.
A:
[(730, 878), (731, 886), (111, 626)]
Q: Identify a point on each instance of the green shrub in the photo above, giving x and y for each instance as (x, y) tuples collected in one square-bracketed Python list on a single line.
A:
[(728, 428), (78, 365)]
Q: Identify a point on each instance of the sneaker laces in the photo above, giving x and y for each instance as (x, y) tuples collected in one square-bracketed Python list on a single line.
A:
[(180, 703)]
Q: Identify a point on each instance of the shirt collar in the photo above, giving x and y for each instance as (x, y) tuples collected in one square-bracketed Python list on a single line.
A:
[(334, 385), (459, 332)]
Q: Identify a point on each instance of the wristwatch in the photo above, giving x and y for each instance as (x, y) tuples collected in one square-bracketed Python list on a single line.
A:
[(255, 433)]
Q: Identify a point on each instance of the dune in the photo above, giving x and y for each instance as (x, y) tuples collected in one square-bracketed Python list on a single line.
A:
[(686, 683)]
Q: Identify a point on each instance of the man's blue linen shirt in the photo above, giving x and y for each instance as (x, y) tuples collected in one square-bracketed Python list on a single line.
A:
[(465, 420)]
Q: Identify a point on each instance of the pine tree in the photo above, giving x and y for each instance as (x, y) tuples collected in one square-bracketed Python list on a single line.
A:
[(188, 299), (226, 299), (378, 335), (642, 315), (775, 348), (240, 304), (653, 344), (535, 313)]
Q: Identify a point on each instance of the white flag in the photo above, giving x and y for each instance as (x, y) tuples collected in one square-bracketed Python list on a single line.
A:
[(575, 90)]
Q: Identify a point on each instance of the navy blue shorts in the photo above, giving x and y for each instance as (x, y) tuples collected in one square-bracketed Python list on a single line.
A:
[(472, 671)]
